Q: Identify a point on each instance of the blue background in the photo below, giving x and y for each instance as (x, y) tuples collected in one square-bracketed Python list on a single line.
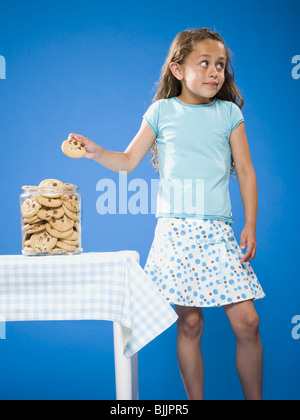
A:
[(90, 68)]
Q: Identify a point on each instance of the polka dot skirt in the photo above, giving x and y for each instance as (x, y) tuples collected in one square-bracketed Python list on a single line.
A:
[(196, 262)]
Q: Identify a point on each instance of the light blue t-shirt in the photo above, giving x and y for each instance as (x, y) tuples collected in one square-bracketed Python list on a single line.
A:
[(194, 157)]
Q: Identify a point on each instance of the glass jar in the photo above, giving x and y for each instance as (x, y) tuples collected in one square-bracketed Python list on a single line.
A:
[(51, 220)]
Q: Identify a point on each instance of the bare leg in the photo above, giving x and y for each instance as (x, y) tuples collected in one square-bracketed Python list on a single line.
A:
[(189, 333), (249, 353)]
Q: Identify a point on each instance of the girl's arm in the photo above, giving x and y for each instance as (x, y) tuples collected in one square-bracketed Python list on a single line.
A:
[(248, 188), (117, 161)]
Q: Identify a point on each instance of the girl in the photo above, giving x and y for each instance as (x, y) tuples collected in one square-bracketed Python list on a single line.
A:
[(196, 130)]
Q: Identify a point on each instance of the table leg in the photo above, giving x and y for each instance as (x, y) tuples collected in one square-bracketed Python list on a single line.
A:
[(126, 370)]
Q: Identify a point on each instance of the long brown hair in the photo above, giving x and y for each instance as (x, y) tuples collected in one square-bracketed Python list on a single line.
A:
[(168, 86)]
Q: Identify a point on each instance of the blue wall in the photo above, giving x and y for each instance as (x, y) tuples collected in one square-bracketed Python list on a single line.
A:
[(90, 67)]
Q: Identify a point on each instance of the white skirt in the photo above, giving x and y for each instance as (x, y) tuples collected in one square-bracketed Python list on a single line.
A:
[(196, 262)]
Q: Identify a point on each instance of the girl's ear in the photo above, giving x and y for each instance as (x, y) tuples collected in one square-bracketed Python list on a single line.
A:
[(176, 70)]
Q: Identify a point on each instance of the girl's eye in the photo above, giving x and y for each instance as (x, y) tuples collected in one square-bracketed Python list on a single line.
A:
[(205, 63)]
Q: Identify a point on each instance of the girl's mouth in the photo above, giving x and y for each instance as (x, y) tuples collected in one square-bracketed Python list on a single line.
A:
[(212, 84)]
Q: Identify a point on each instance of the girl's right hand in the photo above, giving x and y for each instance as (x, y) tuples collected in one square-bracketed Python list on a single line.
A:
[(92, 149)]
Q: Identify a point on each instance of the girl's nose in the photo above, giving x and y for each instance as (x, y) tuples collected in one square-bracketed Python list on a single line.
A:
[(213, 72)]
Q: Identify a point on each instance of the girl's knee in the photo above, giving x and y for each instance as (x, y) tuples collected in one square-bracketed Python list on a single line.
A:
[(190, 323), (248, 327), (244, 320)]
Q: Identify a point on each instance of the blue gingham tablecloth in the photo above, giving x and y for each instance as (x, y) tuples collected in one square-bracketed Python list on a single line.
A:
[(91, 286)]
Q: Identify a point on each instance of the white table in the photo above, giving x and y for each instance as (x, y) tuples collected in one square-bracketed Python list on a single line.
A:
[(91, 286)]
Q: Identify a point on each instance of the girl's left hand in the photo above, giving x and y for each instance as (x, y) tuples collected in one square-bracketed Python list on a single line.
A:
[(248, 238)]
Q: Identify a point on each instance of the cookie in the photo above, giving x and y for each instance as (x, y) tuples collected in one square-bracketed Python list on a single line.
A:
[(49, 184), (77, 226), (57, 251), (67, 185), (71, 215), (67, 241), (74, 236), (63, 224), (71, 202), (67, 247), (30, 207), (46, 213), (27, 244), (31, 220), (48, 202), (37, 227), (42, 242), (26, 238), (73, 149), (59, 235)]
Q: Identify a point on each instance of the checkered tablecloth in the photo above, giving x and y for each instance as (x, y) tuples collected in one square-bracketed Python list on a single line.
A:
[(92, 286)]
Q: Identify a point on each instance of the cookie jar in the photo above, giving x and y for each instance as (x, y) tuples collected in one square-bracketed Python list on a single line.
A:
[(51, 219)]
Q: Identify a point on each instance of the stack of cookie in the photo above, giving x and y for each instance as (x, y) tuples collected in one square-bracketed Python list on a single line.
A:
[(51, 218)]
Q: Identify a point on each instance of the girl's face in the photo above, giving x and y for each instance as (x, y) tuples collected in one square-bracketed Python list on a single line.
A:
[(202, 74)]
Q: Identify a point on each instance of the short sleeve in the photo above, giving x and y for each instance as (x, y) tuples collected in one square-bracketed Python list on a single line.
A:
[(236, 116), (152, 117)]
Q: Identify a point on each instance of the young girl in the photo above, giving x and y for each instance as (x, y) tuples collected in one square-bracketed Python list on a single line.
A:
[(196, 130)]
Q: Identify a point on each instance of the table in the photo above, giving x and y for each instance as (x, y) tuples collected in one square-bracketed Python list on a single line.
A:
[(91, 286)]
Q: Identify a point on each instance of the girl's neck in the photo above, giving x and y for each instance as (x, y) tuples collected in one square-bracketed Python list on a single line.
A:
[(194, 101)]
